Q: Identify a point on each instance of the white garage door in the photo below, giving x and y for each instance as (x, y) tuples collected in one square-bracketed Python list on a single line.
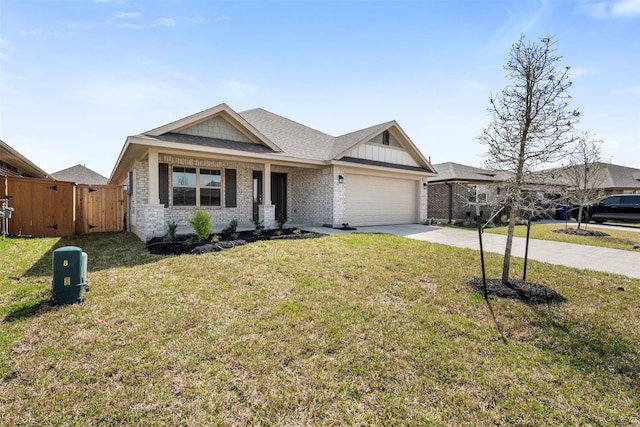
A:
[(372, 200)]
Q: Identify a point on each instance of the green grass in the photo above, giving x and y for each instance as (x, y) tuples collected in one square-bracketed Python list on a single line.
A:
[(351, 329), (617, 239)]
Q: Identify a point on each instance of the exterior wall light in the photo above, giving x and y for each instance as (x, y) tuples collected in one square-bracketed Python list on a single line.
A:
[(424, 185), (340, 179)]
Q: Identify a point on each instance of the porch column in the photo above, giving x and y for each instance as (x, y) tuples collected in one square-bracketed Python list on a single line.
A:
[(266, 183), (423, 216), (152, 215), (267, 210), (154, 185)]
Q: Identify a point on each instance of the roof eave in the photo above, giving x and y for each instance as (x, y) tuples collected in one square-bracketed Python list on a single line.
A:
[(136, 147), (24, 163), (379, 167)]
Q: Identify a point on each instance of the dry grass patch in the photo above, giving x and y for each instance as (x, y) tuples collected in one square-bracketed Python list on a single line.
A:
[(350, 329)]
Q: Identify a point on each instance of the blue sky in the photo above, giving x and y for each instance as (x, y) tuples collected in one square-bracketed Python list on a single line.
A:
[(78, 76)]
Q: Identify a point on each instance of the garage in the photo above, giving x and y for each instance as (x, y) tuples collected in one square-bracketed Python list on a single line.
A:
[(375, 200)]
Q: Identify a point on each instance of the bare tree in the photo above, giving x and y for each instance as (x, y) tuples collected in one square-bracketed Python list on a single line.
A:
[(531, 124), (585, 171)]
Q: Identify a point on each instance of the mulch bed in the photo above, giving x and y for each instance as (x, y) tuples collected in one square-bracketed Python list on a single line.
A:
[(189, 244), (530, 293), (581, 232)]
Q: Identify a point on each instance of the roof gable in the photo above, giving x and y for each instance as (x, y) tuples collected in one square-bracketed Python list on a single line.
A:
[(217, 122), (347, 145)]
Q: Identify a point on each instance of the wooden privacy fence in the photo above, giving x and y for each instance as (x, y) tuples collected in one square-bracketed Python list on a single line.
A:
[(100, 208), (58, 208)]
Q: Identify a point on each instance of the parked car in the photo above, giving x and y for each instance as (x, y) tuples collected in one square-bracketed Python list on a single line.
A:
[(618, 207)]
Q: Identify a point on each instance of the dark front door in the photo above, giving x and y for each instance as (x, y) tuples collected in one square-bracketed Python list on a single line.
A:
[(279, 193), (257, 193)]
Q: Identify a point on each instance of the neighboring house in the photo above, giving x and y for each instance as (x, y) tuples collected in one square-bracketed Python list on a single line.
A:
[(610, 179), (460, 192), (80, 174), (13, 163), (256, 166)]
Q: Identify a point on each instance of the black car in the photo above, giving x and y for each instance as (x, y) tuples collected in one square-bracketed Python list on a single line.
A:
[(618, 207)]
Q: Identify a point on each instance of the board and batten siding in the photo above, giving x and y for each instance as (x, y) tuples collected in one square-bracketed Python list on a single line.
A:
[(380, 153)]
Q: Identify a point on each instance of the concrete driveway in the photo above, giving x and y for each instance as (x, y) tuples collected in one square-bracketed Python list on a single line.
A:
[(571, 255)]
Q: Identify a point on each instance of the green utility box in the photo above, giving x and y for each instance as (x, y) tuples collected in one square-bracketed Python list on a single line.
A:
[(69, 274)]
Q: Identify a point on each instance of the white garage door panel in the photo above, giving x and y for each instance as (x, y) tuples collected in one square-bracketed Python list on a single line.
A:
[(378, 201)]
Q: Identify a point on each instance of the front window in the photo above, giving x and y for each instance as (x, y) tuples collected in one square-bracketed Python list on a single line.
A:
[(477, 193), (184, 186), (191, 185), (210, 183)]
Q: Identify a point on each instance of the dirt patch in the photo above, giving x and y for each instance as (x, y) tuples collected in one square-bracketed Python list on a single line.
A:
[(189, 244), (582, 232), (530, 293)]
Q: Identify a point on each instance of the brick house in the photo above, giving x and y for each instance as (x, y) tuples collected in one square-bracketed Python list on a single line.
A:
[(460, 192), (257, 166)]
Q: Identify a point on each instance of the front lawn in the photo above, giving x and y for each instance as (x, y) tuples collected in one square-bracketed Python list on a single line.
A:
[(617, 239), (350, 329)]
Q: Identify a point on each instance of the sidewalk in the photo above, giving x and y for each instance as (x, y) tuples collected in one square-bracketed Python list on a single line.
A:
[(571, 255)]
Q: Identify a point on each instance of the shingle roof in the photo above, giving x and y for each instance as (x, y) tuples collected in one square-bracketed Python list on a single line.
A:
[(450, 171), (294, 138), (609, 176), (80, 175), (620, 177), (278, 135)]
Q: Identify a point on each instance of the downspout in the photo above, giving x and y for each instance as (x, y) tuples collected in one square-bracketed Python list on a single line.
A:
[(450, 201)]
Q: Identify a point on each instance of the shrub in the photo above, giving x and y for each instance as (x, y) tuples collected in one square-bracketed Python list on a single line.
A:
[(170, 235), (233, 225), (281, 220), (201, 223)]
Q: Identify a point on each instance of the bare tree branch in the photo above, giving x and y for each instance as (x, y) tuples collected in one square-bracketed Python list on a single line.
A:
[(531, 123)]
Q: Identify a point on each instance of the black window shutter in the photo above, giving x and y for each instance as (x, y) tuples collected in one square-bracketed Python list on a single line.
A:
[(163, 183), (230, 192)]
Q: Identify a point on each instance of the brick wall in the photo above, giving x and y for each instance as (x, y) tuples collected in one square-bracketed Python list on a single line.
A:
[(220, 216), (311, 196), (438, 206)]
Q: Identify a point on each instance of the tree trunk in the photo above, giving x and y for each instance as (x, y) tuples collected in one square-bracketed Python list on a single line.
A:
[(506, 264), (580, 217)]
